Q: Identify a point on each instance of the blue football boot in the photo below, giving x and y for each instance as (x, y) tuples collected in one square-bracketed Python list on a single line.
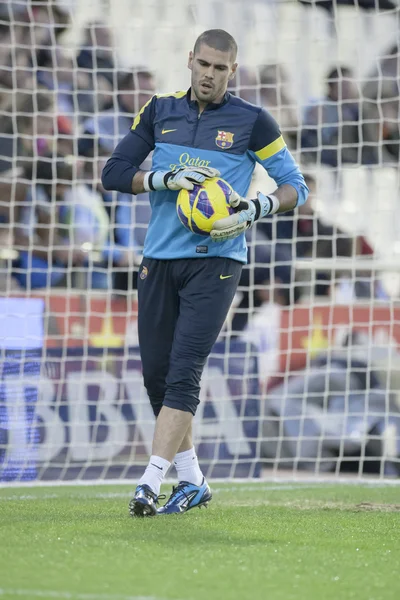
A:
[(143, 503), (185, 496)]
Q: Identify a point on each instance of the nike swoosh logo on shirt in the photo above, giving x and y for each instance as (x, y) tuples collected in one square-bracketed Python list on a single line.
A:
[(225, 276), (167, 131)]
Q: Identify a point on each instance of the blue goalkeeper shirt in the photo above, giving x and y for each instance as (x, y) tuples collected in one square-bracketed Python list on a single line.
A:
[(231, 136)]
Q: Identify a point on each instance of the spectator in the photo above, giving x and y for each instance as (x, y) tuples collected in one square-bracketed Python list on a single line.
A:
[(102, 132), (50, 20), (100, 135), (15, 60), (96, 65), (121, 249), (330, 133), (55, 227), (56, 71), (21, 138), (245, 84), (267, 85), (96, 54), (276, 98), (266, 278), (29, 131), (269, 276), (381, 109), (305, 236), (31, 56)]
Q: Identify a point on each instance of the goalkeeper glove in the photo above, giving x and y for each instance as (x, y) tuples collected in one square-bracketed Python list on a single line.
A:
[(248, 211), (179, 179)]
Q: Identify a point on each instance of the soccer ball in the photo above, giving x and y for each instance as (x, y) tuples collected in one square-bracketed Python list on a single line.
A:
[(198, 209)]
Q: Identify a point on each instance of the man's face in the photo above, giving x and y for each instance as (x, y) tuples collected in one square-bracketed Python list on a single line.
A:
[(211, 71), (101, 38), (349, 89), (344, 89)]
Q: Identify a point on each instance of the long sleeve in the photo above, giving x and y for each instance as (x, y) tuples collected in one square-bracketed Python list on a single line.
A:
[(131, 151), (269, 149)]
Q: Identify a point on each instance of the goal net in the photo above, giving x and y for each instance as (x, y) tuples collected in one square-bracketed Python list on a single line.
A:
[(304, 379)]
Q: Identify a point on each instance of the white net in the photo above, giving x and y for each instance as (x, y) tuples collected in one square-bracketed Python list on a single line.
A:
[(305, 375)]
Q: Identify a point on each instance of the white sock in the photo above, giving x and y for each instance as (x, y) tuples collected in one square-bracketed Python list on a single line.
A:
[(187, 467), (155, 473)]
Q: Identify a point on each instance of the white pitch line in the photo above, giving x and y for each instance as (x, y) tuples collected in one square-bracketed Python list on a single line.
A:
[(98, 495), (319, 480), (264, 488), (71, 595), (255, 487), (110, 495)]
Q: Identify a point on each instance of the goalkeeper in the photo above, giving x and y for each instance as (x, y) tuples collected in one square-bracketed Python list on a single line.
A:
[(187, 282)]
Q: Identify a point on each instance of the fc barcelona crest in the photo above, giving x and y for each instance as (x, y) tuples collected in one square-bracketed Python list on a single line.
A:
[(144, 272), (224, 139)]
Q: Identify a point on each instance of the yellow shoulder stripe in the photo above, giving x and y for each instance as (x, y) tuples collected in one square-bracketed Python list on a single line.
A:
[(136, 120), (173, 94), (139, 115), (271, 149)]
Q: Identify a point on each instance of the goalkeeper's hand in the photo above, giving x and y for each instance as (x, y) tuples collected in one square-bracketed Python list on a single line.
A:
[(247, 212), (179, 179)]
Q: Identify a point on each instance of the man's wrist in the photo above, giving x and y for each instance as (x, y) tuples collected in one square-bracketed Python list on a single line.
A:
[(154, 181), (275, 204), (266, 205)]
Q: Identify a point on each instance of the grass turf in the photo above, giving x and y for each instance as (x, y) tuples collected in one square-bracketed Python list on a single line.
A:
[(255, 541)]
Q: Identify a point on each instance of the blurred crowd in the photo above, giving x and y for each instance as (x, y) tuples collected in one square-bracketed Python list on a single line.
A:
[(62, 115)]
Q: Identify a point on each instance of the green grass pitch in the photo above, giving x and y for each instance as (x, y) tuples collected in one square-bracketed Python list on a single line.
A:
[(256, 541)]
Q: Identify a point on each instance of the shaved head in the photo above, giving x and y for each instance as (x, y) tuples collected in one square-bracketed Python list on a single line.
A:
[(219, 40)]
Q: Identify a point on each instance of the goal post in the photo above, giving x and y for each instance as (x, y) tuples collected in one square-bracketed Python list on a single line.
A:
[(304, 378)]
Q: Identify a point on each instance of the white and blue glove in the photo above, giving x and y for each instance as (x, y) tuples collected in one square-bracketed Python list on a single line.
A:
[(247, 212), (179, 179)]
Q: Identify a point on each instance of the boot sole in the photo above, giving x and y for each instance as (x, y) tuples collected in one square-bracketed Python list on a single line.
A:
[(138, 509)]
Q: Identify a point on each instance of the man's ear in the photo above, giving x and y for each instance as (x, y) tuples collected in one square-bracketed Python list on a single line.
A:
[(233, 71), (190, 60)]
